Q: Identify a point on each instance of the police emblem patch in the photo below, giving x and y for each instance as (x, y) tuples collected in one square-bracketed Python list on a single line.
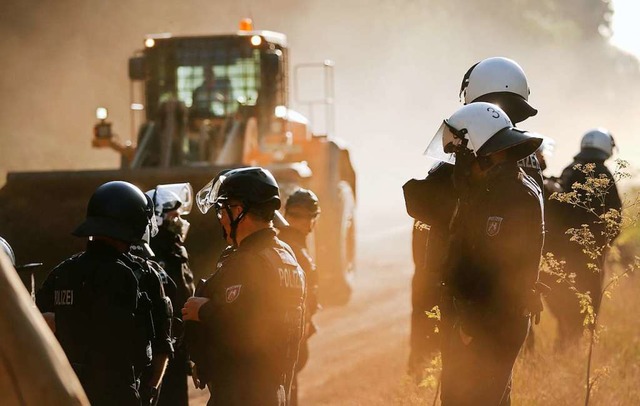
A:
[(493, 225), (232, 293)]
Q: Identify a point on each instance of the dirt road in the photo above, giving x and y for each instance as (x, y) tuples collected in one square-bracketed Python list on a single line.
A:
[(359, 355)]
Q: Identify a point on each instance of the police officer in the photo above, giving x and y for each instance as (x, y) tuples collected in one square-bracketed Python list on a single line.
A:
[(431, 201), (492, 261), (170, 203), (252, 308), (596, 147), (101, 318), (156, 284), (301, 212)]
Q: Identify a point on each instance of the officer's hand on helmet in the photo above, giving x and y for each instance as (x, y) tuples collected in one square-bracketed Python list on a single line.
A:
[(192, 307)]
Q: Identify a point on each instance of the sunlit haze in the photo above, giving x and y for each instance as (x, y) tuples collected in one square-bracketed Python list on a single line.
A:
[(626, 31)]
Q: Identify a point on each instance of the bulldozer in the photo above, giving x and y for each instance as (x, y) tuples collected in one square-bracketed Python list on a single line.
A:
[(201, 104)]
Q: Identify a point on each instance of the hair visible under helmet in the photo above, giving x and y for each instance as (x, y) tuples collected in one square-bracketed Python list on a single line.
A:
[(305, 199)]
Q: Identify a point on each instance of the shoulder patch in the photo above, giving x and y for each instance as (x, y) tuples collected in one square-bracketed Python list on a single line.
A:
[(232, 293), (493, 225)]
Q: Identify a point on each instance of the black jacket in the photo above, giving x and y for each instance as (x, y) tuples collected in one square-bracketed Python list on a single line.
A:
[(253, 322), (171, 254), (496, 242), (298, 243), (575, 216), (99, 320)]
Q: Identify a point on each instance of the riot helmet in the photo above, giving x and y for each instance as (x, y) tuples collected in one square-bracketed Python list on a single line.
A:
[(4, 246), (482, 129), (304, 199), (118, 210), (499, 81), (170, 202), (545, 150), (254, 188), (597, 144)]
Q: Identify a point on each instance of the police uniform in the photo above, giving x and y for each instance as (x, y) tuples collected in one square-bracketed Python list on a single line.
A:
[(151, 280), (431, 201), (298, 243), (102, 321), (172, 256), (562, 301), (491, 273), (252, 324)]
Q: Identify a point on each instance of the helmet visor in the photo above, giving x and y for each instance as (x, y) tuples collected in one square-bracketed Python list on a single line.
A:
[(519, 143), (152, 227), (175, 196), (207, 196), (436, 148)]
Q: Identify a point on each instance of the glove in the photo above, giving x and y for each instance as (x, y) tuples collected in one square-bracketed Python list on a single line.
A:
[(534, 301)]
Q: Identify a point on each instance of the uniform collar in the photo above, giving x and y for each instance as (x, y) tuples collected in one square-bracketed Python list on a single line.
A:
[(293, 234), (101, 247), (258, 238), (498, 174)]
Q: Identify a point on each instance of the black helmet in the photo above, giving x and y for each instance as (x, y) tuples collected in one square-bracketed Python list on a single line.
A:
[(304, 198), (118, 210), (255, 187)]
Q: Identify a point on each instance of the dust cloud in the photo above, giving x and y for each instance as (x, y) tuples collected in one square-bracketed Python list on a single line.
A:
[(398, 69)]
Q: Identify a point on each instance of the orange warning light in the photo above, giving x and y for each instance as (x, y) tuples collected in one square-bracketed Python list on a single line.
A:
[(246, 24)]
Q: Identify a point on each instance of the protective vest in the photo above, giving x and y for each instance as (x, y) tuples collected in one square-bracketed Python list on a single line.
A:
[(290, 306), (253, 323), (157, 313), (97, 303)]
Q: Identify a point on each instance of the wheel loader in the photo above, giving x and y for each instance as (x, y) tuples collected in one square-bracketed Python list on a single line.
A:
[(204, 103)]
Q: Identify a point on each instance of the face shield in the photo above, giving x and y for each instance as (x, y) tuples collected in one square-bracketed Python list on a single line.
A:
[(444, 143), (152, 226), (207, 196)]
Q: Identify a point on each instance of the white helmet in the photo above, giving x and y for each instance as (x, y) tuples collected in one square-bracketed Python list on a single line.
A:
[(175, 196), (4, 246), (599, 142), (484, 129), (545, 150), (172, 197), (500, 81)]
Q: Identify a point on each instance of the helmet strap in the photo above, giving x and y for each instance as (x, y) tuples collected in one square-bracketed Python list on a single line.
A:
[(233, 232), (465, 81)]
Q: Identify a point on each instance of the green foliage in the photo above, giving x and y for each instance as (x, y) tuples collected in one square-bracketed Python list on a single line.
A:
[(591, 196), (432, 373)]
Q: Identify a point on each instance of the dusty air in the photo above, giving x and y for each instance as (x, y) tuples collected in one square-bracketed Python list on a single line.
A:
[(386, 203)]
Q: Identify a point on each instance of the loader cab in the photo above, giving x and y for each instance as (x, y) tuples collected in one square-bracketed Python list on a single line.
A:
[(205, 89)]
